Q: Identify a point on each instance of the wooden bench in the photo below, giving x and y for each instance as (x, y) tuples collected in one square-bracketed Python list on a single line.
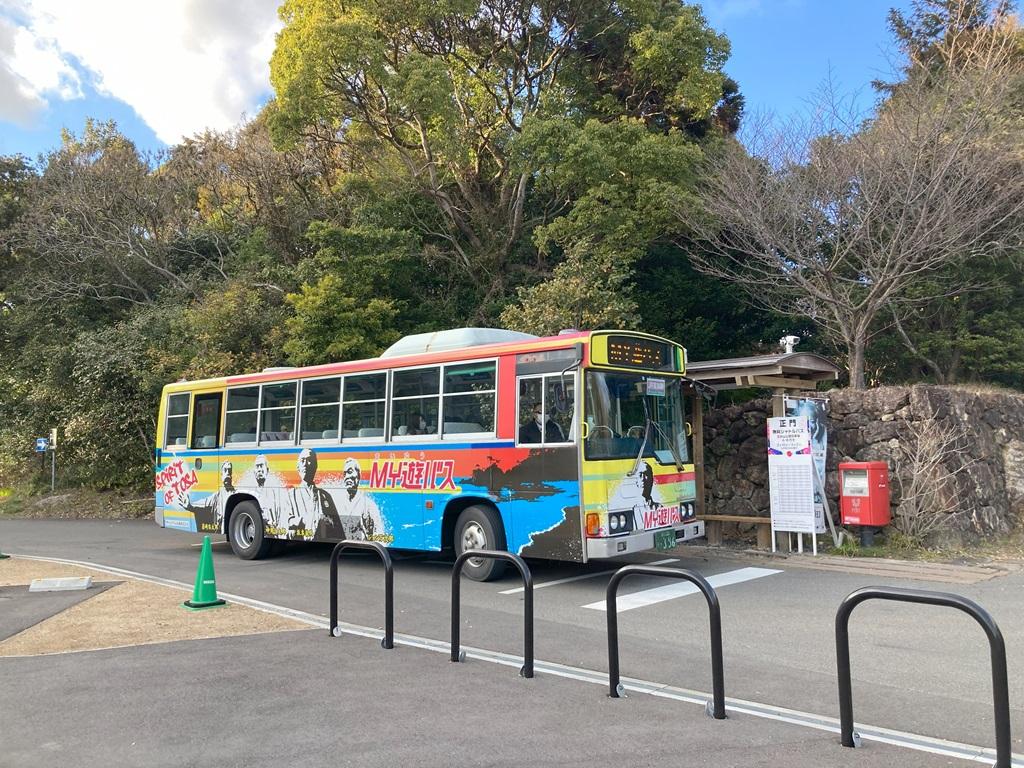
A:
[(713, 528)]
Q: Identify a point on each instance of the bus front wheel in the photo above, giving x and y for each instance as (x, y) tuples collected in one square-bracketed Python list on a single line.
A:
[(480, 527), (245, 532)]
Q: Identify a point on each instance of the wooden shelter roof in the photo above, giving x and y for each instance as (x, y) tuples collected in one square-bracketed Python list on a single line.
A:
[(793, 370)]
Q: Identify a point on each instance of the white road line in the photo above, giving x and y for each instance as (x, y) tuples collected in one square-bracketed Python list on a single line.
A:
[(680, 588), (913, 741), (578, 578)]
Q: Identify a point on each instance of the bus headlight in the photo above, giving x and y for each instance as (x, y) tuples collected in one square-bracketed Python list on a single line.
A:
[(619, 522)]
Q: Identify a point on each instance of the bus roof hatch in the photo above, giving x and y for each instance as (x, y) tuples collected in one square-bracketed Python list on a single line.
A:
[(455, 338)]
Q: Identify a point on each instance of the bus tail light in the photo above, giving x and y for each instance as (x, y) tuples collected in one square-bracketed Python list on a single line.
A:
[(593, 524)]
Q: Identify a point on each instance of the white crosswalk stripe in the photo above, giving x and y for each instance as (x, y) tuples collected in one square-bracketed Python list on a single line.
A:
[(594, 575), (681, 588)]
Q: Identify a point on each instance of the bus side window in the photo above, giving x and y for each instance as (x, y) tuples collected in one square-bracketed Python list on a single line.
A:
[(560, 402), (363, 405), (206, 420), (546, 410), (176, 428)]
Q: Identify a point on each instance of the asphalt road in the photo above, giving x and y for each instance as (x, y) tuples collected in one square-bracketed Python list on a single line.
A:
[(919, 669)]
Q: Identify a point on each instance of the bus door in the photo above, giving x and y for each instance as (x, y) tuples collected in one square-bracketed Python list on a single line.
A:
[(548, 524), (212, 480)]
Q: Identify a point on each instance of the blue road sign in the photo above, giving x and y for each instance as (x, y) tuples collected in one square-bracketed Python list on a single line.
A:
[(42, 444)]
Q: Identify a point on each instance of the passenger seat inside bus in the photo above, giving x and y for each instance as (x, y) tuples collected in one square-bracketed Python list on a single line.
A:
[(457, 427)]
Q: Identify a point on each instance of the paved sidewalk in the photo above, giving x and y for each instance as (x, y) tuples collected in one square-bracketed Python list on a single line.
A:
[(305, 699)]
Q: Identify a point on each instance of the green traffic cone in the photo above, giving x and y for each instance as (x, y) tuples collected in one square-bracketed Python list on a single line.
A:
[(205, 593)]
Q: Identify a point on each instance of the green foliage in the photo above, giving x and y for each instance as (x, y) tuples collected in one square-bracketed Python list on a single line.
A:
[(706, 314), (625, 183), (475, 115), (974, 334), (329, 324), (660, 63), (588, 290)]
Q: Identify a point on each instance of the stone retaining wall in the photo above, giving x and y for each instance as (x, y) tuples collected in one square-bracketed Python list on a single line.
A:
[(987, 468)]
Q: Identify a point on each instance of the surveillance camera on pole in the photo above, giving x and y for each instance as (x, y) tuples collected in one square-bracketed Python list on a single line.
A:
[(788, 342)]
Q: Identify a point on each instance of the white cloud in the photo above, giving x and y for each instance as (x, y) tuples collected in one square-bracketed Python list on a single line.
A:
[(721, 11), (30, 70), (183, 66)]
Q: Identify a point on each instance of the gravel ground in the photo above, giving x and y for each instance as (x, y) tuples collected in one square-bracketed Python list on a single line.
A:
[(131, 613)]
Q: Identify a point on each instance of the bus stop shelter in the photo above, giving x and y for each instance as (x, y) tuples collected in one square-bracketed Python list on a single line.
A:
[(785, 373)]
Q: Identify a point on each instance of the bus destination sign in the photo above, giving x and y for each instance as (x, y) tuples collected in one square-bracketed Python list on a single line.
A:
[(630, 352)]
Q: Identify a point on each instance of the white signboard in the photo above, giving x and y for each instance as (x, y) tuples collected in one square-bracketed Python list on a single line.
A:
[(815, 409), (791, 475)]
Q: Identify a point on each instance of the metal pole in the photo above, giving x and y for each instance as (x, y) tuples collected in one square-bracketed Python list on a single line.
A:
[(334, 592), (456, 621), (388, 641), (714, 613), (612, 616), (53, 469), (1000, 685), (527, 670), (524, 572)]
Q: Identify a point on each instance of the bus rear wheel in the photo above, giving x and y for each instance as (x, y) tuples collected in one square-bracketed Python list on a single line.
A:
[(480, 527), (245, 532)]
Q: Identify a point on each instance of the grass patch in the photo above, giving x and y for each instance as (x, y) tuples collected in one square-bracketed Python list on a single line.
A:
[(11, 502), (849, 548), (894, 546), (80, 503)]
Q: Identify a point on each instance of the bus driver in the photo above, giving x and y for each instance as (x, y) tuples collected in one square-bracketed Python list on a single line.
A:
[(530, 431)]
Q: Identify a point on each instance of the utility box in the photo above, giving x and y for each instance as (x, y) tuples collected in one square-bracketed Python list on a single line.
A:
[(864, 493)]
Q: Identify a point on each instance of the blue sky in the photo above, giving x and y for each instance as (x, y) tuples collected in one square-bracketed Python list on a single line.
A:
[(784, 50), (193, 64)]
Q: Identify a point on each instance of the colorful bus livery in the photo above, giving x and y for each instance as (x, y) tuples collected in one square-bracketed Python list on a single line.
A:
[(570, 447)]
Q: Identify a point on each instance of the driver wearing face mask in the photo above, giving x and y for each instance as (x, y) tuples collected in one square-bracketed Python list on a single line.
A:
[(531, 431)]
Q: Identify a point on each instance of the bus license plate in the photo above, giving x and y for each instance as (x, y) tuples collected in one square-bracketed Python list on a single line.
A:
[(665, 539)]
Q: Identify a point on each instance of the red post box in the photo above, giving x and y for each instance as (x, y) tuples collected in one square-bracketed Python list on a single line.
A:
[(864, 493)]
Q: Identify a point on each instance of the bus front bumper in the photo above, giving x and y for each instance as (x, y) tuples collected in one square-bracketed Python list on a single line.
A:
[(639, 542)]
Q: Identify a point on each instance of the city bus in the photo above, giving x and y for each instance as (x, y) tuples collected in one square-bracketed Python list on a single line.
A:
[(573, 447)]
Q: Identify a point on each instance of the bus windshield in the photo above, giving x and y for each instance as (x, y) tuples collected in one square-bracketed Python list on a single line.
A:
[(621, 407)]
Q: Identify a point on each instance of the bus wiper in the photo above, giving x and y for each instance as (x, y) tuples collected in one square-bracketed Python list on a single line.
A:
[(643, 447), (643, 443), (671, 446)]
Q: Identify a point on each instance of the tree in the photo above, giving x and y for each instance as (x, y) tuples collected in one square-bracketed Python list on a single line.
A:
[(15, 177), (975, 331), (100, 224), (243, 184), (439, 98), (623, 181), (847, 227)]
